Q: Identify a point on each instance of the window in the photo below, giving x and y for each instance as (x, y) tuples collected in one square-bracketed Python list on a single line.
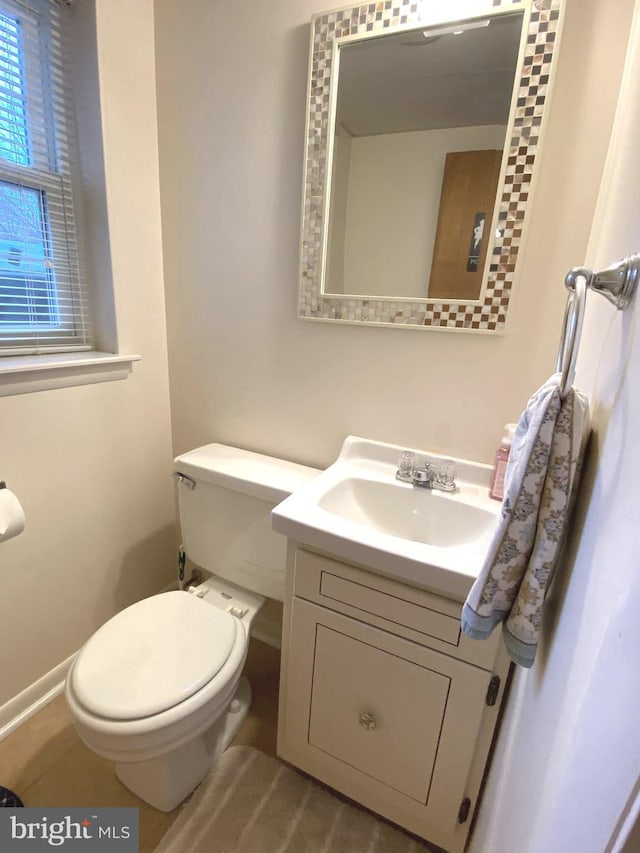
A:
[(43, 305)]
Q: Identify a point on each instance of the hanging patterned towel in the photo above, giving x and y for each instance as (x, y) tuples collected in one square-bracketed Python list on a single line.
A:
[(543, 470)]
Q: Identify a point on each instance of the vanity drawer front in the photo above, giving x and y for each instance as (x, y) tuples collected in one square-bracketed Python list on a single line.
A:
[(403, 610)]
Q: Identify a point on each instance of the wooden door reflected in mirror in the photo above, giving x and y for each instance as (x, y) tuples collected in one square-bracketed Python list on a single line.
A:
[(468, 196)]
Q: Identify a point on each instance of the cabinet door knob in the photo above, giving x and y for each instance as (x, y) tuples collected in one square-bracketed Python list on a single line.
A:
[(367, 721)]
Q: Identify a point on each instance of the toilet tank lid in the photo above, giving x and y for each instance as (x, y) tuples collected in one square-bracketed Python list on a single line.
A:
[(244, 471)]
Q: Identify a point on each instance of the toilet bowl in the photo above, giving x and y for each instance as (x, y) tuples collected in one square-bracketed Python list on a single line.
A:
[(158, 688)]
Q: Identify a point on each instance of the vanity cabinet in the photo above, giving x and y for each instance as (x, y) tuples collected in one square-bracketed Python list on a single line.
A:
[(383, 698)]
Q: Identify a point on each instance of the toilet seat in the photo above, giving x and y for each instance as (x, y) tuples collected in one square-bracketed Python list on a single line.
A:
[(152, 656), (137, 738)]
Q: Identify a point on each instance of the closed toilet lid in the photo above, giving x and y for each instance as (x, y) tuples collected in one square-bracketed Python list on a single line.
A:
[(152, 655)]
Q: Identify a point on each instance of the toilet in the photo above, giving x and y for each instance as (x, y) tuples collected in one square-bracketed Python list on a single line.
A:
[(158, 688)]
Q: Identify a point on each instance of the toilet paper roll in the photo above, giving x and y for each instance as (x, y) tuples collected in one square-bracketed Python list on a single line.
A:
[(11, 515)]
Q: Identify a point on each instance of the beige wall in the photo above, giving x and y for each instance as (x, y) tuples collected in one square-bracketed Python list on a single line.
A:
[(244, 370), (91, 464)]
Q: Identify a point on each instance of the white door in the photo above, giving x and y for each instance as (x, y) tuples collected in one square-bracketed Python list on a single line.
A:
[(601, 760), (587, 693)]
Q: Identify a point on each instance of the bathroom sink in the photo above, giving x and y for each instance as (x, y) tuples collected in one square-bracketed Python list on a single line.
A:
[(358, 511), (400, 509)]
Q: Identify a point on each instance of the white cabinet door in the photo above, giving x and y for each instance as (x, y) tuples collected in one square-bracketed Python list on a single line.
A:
[(390, 734), (384, 720)]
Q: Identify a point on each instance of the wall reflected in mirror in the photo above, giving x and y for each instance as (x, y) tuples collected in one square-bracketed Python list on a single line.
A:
[(417, 146)]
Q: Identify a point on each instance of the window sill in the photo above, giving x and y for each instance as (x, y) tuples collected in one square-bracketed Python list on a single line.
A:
[(26, 373)]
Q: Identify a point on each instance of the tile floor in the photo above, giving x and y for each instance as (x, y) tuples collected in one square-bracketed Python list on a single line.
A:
[(47, 765)]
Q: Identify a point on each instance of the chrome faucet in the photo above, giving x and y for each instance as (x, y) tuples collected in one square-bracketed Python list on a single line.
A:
[(428, 475)]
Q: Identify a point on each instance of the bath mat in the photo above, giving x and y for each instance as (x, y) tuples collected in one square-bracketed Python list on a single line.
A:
[(251, 803)]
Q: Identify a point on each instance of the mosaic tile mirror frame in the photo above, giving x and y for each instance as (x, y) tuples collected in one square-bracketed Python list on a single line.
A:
[(488, 313)]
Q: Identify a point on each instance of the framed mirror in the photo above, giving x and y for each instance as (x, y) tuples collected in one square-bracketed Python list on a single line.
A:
[(422, 143)]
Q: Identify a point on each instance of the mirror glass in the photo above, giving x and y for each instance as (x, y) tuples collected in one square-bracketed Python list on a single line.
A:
[(423, 138), (419, 130)]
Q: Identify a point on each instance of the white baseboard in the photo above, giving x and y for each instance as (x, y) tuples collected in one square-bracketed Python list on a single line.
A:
[(17, 711)]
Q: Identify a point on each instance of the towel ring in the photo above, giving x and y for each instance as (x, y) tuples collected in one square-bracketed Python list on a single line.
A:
[(572, 329), (616, 283)]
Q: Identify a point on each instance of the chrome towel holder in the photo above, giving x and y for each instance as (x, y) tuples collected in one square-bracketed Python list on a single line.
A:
[(617, 283)]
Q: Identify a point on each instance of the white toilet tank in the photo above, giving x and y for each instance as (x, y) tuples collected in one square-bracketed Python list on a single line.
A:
[(225, 498)]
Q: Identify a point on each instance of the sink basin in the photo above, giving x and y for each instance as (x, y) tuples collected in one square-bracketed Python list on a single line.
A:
[(357, 511), (399, 509)]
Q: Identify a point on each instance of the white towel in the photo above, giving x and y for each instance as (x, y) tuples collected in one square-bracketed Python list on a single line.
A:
[(542, 473)]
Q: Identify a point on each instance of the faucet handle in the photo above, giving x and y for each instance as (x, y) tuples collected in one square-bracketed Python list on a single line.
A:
[(407, 462), (443, 475), (447, 473), (406, 466)]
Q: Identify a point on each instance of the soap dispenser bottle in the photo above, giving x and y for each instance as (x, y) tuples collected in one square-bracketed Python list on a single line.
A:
[(496, 490)]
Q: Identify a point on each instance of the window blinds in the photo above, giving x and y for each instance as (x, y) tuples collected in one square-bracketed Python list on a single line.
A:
[(43, 301)]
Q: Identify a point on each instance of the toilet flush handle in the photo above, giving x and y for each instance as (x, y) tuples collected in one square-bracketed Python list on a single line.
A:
[(182, 478)]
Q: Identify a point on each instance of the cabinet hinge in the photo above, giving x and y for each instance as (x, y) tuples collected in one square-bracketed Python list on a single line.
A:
[(465, 807), (493, 690)]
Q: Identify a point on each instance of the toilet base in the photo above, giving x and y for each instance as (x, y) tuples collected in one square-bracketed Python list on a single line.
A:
[(165, 781)]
